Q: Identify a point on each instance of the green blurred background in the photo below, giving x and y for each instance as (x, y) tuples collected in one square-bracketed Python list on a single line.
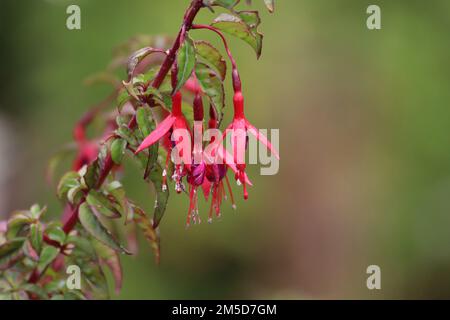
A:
[(364, 125)]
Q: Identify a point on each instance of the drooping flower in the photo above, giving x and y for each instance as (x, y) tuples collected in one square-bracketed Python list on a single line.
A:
[(240, 127), (175, 120)]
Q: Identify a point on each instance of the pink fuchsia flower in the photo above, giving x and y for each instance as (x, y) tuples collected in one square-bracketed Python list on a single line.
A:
[(239, 128), (175, 120)]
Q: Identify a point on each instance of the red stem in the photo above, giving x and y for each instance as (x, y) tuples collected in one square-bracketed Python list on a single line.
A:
[(236, 78)]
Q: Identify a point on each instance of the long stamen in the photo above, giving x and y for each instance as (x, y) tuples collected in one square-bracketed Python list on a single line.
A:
[(217, 198), (233, 204), (213, 200), (166, 168), (191, 205)]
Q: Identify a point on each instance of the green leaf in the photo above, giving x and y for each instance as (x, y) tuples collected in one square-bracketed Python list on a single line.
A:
[(143, 117), (118, 148), (56, 233), (212, 56), (36, 211), (68, 181), (125, 133), (36, 236), (108, 206), (17, 224), (162, 196), (212, 86), (115, 189), (48, 254), (75, 194), (112, 260), (251, 18), (186, 62), (149, 230), (236, 27), (122, 99), (93, 225), (10, 251), (92, 175)]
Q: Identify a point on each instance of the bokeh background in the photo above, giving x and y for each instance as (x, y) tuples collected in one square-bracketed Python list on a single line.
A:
[(364, 124)]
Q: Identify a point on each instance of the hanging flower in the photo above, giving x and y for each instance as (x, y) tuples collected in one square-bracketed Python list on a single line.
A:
[(240, 127)]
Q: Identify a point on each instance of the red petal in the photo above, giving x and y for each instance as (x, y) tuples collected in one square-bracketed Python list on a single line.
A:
[(157, 134), (206, 186), (223, 154), (262, 138)]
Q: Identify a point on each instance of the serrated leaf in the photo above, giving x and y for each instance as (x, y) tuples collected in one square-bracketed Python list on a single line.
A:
[(186, 62), (235, 26), (95, 228), (107, 206), (212, 86), (118, 148), (149, 230), (110, 257), (10, 251), (48, 254), (212, 56)]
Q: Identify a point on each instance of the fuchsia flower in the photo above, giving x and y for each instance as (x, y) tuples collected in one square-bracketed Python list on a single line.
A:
[(239, 128), (174, 121)]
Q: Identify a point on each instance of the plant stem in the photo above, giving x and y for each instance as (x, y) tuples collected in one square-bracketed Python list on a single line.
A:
[(235, 74)]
